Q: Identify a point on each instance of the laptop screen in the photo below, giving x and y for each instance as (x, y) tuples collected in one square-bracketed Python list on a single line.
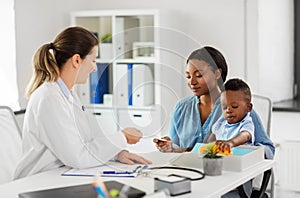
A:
[(80, 191)]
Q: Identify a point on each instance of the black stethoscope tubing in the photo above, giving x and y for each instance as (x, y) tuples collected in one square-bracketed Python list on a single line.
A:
[(181, 168)]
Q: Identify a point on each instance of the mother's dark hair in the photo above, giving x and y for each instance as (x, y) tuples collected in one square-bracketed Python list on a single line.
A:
[(213, 58)]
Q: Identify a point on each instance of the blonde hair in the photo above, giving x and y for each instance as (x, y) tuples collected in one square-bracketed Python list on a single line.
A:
[(45, 68), (50, 58)]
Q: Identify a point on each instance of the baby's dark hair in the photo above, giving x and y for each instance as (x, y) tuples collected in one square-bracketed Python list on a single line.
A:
[(236, 84)]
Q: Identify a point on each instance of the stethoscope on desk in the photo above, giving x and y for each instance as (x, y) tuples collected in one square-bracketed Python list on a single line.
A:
[(147, 172)]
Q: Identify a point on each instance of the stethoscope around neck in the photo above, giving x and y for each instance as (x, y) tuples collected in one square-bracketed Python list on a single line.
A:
[(73, 102)]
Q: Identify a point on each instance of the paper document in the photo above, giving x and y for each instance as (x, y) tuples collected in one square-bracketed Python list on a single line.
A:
[(117, 169), (111, 169)]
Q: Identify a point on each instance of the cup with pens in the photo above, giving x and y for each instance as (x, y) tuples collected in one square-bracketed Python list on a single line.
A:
[(100, 188), (102, 191)]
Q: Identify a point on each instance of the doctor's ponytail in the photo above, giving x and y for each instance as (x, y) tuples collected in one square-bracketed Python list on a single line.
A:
[(45, 68), (50, 58)]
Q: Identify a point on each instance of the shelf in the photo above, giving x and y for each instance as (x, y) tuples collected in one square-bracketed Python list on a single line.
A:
[(103, 106), (126, 70), (292, 105), (101, 60), (137, 60), (150, 60)]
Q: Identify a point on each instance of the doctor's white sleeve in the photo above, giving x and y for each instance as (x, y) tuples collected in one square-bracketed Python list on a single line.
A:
[(70, 135)]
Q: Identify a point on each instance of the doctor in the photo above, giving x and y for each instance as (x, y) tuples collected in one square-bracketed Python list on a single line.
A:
[(57, 130)]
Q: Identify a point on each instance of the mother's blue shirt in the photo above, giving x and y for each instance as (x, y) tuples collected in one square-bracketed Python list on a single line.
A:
[(186, 129)]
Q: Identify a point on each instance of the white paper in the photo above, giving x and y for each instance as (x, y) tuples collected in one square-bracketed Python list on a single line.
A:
[(100, 170)]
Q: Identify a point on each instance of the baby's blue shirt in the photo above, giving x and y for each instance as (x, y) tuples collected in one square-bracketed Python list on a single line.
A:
[(225, 131)]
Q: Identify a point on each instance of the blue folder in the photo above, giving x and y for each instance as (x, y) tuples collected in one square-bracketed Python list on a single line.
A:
[(99, 83), (129, 67)]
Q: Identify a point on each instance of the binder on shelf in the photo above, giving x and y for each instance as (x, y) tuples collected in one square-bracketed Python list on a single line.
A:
[(99, 83), (120, 95), (129, 68), (133, 85), (142, 85), (127, 32)]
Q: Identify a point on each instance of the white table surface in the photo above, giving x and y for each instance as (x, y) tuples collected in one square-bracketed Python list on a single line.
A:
[(210, 186)]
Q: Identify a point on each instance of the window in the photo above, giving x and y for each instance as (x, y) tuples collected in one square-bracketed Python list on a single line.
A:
[(8, 73), (297, 49)]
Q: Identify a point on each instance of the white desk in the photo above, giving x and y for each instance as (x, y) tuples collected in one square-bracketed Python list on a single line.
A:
[(210, 186)]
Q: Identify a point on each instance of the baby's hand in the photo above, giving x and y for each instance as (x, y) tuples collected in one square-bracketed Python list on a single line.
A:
[(224, 146)]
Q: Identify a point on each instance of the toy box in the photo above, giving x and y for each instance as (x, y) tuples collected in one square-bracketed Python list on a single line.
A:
[(243, 157)]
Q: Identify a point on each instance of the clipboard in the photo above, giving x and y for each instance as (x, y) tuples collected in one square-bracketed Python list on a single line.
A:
[(106, 171)]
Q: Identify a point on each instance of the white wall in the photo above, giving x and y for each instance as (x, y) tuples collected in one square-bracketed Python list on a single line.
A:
[(8, 79), (213, 22), (285, 126), (255, 37), (276, 48), (269, 46)]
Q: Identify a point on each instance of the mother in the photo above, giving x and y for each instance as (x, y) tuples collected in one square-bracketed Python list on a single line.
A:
[(194, 116)]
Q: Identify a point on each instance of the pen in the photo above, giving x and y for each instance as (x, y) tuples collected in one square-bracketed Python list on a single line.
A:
[(99, 190), (115, 172), (122, 172)]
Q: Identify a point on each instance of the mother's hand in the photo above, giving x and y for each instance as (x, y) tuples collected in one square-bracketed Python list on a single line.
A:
[(163, 144)]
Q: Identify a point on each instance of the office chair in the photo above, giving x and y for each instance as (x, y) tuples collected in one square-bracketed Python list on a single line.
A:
[(263, 107), (10, 144)]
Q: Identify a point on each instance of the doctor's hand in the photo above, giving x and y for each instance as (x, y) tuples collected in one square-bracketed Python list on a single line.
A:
[(132, 135), (163, 144), (126, 157)]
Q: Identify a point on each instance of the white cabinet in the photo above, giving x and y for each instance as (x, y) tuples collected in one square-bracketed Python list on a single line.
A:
[(145, 120), (128, 70), (106, 119)]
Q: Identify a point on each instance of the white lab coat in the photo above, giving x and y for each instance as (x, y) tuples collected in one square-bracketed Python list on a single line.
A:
[(57, 132)]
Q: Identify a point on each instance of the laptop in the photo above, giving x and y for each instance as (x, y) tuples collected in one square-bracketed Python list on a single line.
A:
[(80, 191)]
